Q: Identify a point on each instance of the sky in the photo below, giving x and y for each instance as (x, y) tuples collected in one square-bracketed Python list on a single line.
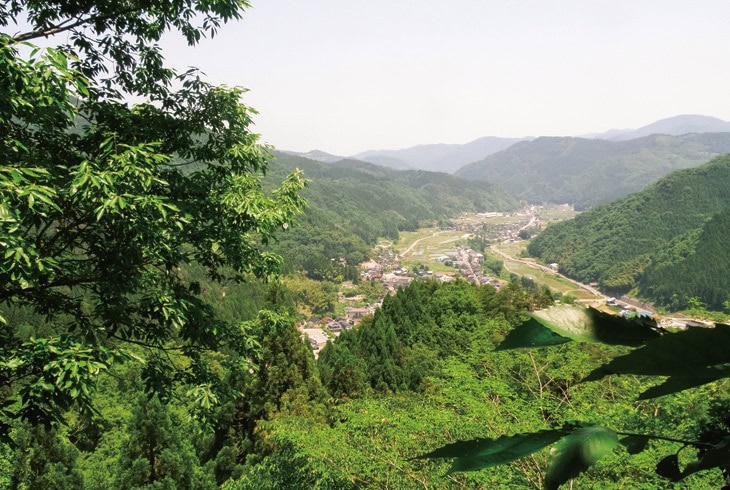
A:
[(346, 76)]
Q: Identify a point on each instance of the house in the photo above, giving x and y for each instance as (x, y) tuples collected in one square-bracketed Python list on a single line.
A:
[(396, 282), (335, 326), (357, 313), (317, 338)]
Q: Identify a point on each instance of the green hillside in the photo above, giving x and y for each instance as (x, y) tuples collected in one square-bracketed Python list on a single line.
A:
[(352, 203), (669, 240), (586, 172)]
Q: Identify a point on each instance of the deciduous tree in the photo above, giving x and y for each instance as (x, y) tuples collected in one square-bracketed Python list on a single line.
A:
[(103, 201)]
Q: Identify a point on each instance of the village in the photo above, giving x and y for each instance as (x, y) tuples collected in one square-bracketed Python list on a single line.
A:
[(445, 254), (444, 249)]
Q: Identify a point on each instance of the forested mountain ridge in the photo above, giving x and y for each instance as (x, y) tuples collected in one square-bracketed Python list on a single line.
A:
[(586, 172), (352, 203), (669, 240)]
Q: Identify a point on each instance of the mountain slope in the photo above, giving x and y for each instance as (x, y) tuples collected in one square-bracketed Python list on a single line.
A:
[(352, 203), (438, 157), (669, 240), (586, 172)]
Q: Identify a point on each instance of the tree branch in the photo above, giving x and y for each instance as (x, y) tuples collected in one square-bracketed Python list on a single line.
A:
[(669, 439), (8, 293), (50, 31)]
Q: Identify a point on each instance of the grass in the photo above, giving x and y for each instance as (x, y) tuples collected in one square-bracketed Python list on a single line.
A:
[(434, 242), (553, 281), (513, 249), (557, 213)]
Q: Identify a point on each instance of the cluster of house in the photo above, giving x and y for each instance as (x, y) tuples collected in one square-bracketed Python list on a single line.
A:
[(319, 330), (372, 270)]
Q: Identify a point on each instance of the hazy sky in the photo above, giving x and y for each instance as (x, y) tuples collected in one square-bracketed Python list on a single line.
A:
[(345, 76)]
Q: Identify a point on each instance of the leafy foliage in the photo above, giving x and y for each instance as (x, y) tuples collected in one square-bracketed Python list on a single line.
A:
[(101, 205), (531, 333), (485, 453), (577, 452), (691, 358), (589, 324)]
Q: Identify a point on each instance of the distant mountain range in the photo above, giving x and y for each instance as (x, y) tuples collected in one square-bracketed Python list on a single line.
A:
[(438, 157), (451, 157), (668, 241), (586, 172), (367, 190), (683, 124), (433, 158)]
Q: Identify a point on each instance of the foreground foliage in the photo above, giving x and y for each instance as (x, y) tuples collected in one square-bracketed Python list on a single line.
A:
[(100, 208), (689, 359)]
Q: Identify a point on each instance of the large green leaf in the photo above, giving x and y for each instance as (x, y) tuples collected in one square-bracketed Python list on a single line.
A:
[(531, 334), (716, 457), (693, 378), (577, 452), (692, 358), (668, 467), (484, 453), (591, 325), (635, 443)]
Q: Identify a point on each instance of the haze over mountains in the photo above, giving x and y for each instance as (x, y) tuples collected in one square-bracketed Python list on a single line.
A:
[(451, 157), (682, 124), (438, 157)]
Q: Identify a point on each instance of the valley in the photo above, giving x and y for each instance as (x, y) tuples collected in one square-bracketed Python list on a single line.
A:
[(183, 306)]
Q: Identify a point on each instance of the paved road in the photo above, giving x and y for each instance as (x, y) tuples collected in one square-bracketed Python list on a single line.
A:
[(543, 268), (584, 287)]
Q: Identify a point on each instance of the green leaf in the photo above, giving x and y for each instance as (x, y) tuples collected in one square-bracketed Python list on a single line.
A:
[(692, 379), (636, 443), (591, 325), (531, 334), (484, 453), (693, 357), (717, 457), (577, 452), (668, 467)]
